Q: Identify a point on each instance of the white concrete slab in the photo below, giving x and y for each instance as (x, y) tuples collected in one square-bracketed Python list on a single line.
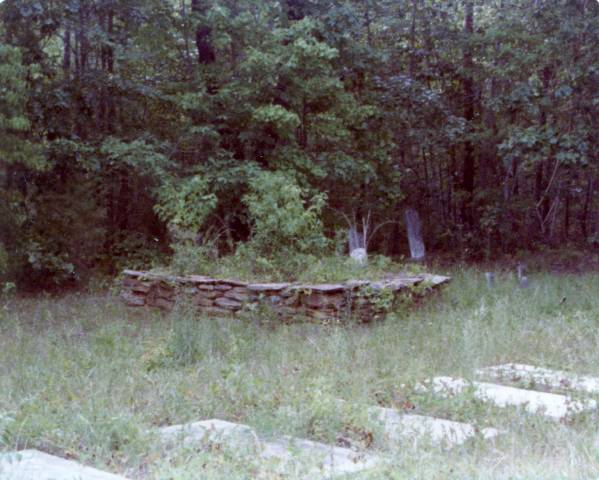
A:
[(238, 436), (550, 405), (286, 454), (316, 458), (555, 379), (36, 465), (400, 427)]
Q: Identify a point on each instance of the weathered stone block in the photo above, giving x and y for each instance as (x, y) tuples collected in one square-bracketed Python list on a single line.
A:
[(267, 287), (227, 303), (206, 286), (162, 290), (132, 300), (240, 294), (136, 285), (292, 300), (160, 302), (320, 300), (189, 290), (202, 301), (321, 287), (209, 294), (200, 279)]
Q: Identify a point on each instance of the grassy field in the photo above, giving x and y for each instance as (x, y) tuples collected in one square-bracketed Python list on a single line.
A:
[(83, 377)]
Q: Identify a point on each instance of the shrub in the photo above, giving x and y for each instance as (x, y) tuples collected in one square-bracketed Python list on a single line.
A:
[(282, 216)]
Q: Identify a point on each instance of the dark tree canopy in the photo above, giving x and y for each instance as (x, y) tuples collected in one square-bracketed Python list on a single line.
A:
[(129, 125)]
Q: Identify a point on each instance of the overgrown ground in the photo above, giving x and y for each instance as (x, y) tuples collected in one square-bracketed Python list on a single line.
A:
[(83, 377)]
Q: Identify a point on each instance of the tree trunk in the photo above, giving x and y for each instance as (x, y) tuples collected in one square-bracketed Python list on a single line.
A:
[(468, 171), (295, 9), (206, 53), (66, 54)]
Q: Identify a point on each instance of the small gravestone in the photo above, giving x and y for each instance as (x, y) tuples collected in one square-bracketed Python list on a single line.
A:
[(490, 276), (417, 250), (521, 271), (355, 239), (357, 246), (359, 255), (522, 278)]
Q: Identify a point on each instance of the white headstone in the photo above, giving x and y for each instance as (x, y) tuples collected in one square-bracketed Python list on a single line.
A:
[(359, 255), (355, 239)]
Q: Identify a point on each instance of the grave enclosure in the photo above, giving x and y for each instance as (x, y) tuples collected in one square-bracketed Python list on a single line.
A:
[(213, 296)]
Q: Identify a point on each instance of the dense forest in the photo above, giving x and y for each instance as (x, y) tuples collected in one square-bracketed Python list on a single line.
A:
[(132, 128)]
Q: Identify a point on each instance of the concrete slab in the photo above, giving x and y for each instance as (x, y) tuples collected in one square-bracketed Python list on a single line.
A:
[(550, 405), (36, 465), (316, 459), (235, 435), (400, 427), (555, 379), (286, 454), (435, 280)]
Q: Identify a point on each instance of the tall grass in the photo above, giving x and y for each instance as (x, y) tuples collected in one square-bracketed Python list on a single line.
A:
[(82, 376)]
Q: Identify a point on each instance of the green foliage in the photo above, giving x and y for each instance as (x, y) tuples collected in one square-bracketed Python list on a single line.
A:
[(110, 114), (186, 205), (15, 126), (283, 219)]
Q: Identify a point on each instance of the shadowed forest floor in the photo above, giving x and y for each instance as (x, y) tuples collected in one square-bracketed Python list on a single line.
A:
[(83, 377)]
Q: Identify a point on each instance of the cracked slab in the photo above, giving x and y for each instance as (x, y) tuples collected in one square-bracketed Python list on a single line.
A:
[(398, 427), (555, 379), (550, 405), (312, 459)]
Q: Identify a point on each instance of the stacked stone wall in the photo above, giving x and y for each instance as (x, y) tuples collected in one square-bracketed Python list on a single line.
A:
[(220, 297)]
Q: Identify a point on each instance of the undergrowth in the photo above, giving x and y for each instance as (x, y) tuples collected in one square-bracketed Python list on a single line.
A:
[(85, 378), (297, 267)]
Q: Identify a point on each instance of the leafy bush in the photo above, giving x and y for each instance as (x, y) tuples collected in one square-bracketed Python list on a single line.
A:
[(186, 204), (283, 219)]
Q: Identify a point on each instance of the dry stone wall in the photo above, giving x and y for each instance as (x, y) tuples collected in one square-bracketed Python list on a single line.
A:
[(213, 296)]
